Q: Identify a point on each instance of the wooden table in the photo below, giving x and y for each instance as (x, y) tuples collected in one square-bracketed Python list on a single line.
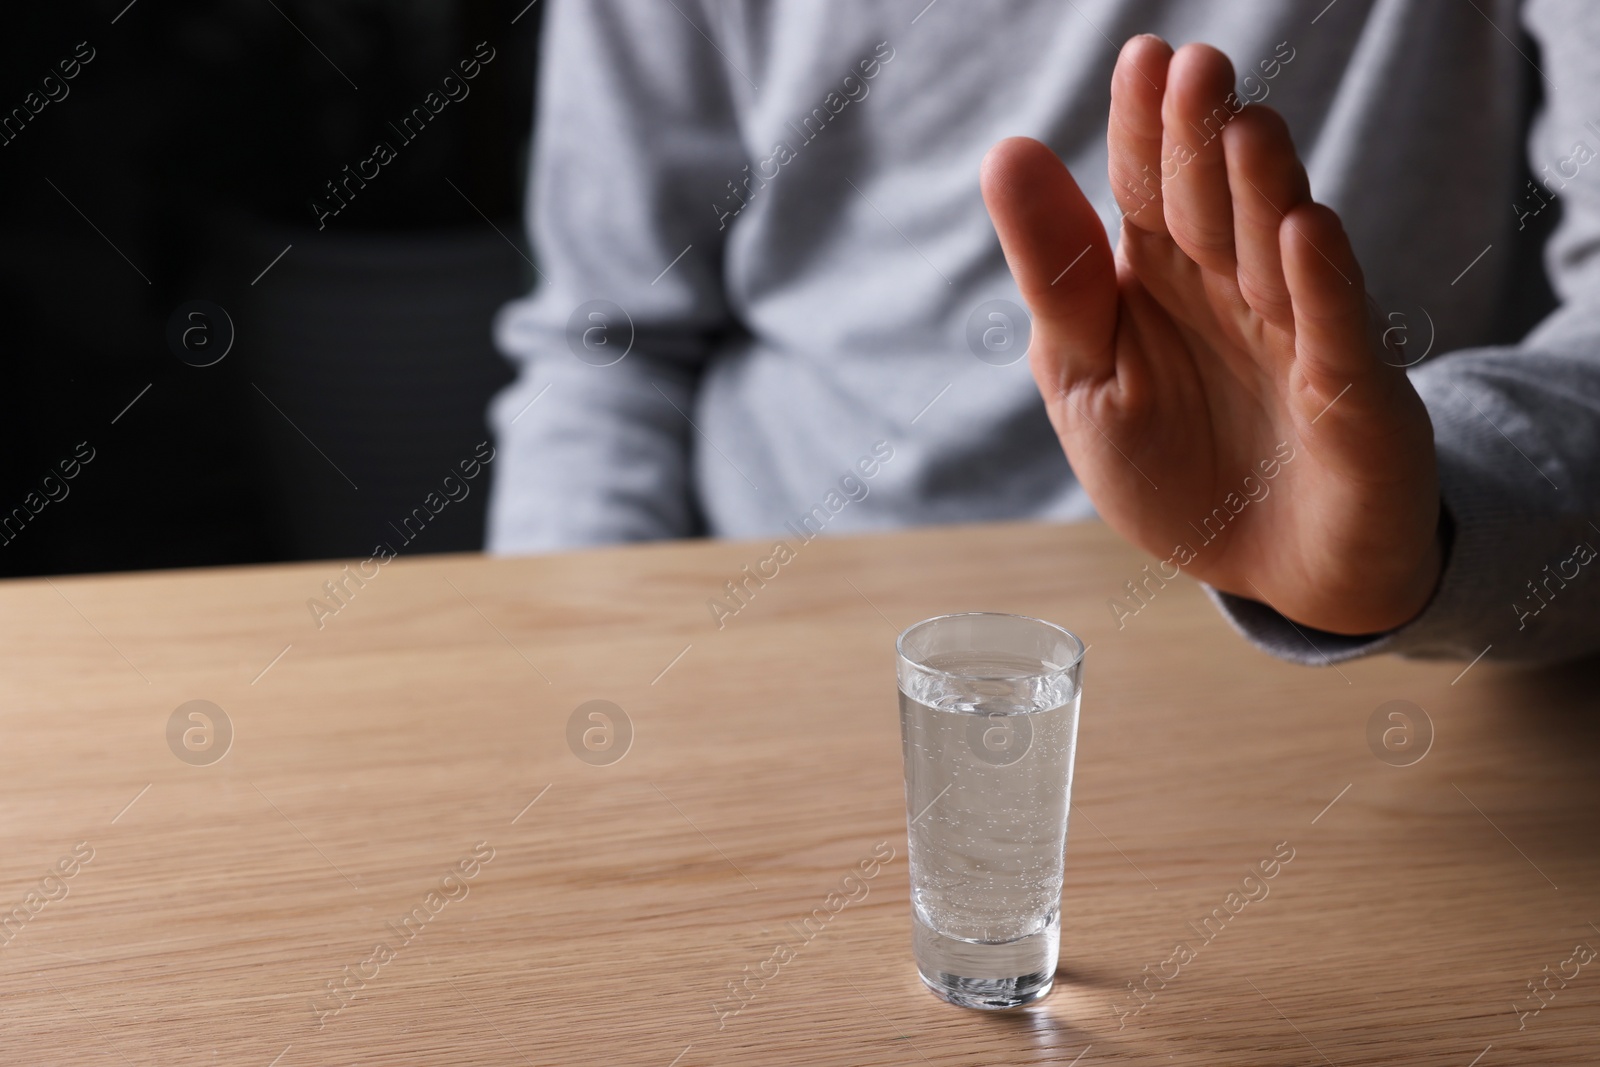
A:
[(422, 733)]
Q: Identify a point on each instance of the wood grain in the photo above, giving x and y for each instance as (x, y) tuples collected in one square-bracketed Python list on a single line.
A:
[(414, 728)]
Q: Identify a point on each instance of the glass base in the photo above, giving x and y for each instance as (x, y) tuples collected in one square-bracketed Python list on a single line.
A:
[(991, 976)]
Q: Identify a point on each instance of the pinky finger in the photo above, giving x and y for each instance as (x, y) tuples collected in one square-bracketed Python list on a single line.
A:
[(1332, 336)]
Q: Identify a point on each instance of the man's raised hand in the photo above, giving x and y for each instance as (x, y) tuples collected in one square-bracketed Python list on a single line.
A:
[(1229, 329)]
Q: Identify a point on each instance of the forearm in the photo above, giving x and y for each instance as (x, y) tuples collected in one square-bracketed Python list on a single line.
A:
[(591, 457), (1517, 432), (635, 137)]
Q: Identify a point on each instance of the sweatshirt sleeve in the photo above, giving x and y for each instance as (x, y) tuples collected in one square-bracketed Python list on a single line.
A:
[(1517, 429), (634, 139)]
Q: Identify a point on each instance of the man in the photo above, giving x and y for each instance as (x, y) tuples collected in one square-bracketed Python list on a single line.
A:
[(771, 210)]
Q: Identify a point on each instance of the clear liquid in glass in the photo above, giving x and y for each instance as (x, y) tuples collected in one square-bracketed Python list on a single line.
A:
[(988, 753)]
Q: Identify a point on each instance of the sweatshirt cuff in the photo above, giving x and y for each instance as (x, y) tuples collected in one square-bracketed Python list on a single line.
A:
[(1519, 541), (1474, 608)]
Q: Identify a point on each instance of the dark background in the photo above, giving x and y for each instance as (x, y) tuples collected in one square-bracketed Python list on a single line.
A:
[(182, 160)]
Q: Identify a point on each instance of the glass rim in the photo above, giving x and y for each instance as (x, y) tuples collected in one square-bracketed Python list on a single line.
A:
[(916, 662)]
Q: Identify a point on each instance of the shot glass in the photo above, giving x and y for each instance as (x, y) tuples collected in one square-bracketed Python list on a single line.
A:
[(988, 726)]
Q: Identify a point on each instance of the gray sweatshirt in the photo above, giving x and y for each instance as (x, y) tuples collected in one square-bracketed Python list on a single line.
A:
[(770, 302)]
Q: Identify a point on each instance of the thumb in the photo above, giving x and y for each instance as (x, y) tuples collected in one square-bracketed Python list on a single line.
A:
[(1059, 255)]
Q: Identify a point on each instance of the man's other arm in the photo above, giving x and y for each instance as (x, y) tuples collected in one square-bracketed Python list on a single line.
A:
[(635, 141)]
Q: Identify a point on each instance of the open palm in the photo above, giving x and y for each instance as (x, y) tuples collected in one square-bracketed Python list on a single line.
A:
[(1217, 383)]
